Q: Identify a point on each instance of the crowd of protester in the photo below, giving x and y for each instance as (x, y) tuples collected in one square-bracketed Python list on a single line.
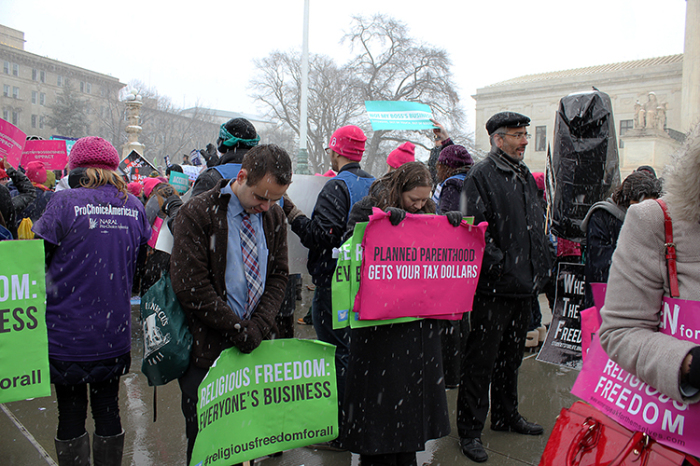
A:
[(229, 270)]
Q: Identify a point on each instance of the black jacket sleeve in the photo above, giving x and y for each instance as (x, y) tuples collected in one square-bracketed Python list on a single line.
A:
[(27, 193), (326, 227)]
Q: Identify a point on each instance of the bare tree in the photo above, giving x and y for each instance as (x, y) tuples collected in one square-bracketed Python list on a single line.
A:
[(393, 66), (332, 101), (390, 65)]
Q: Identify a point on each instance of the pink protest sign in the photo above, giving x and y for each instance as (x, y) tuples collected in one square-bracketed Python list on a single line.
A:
[(155, 231), (423, 267), (51, 153), (12, 141), (636, 405)]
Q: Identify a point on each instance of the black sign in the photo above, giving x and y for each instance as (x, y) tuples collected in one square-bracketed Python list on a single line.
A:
[(136, 167), (563, 343)]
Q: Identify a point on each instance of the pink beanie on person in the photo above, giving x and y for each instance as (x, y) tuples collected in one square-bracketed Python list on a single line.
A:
[(36, 172), (348, 141), (93, 152), (149, 184), (135, 188), (403, 154)]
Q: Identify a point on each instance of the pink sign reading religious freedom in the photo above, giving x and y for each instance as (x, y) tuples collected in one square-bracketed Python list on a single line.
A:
[(633, 403), (12, 141), (423, 267), (51, 153)]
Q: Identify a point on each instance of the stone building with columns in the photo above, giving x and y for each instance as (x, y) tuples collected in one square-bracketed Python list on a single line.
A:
[(655, 102)]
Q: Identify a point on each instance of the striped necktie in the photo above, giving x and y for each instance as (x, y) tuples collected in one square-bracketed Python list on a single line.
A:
[(249, 249)]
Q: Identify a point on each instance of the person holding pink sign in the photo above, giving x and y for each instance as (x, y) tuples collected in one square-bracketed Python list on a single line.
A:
[(395, 391), (639, 281)]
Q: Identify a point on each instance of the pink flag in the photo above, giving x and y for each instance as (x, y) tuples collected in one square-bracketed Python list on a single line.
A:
[(12, 141), (52, 153), (423, 267), (633, 403)]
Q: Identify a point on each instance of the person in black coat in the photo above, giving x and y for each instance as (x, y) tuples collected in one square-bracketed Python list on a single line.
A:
[(236, 137), (501, 191), (603, 223), (11, 207), (395, 398)]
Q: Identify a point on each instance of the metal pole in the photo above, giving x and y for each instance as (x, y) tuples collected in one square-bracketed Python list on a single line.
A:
[(303, 157)]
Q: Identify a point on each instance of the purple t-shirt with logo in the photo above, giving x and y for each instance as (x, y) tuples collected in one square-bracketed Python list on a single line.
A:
[(88, 282)]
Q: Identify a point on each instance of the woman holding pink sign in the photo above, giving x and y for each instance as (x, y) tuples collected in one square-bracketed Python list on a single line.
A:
[(395, 393), (639, 280)]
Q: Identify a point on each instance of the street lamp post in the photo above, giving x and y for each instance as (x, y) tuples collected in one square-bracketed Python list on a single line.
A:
[(303, 156)]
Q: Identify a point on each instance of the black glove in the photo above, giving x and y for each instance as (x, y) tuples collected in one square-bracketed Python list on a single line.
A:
[(454, 217), (694, 373), (290, 210), (248, 338), (396, 215), (171, 205)]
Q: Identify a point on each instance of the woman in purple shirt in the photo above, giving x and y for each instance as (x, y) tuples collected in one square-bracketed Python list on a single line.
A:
[(93, 234)]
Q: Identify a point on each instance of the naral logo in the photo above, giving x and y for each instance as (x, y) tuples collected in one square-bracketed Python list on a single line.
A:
[(93, 223)]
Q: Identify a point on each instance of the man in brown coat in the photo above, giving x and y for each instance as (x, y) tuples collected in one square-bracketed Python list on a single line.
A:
[(210, 271)]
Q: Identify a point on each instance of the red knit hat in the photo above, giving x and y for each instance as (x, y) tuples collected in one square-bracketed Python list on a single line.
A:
[(402, 154), (93, 152), (3, 174), (36, 172), (348, 141)]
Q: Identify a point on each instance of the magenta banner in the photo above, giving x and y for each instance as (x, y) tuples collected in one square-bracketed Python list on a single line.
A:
[(423, 267), (51, 153), (633, 403), (12, 141)]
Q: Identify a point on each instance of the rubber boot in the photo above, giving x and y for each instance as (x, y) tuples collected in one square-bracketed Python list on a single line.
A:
[(107, 451), (73, 452)]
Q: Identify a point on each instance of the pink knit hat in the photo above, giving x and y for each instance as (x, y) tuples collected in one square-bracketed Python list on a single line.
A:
[(135, 188), (93, 152), (402, 154), (348, 141), (36, 172), (149, 184)]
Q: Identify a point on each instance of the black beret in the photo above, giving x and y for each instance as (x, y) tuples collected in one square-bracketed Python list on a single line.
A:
[(507, 119)]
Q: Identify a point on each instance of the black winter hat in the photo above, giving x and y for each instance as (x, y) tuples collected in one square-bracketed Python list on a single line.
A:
[(506, 119)]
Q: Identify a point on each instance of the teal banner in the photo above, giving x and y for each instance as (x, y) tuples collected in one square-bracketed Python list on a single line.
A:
[(24, 346), (388, 115), (281, 396)]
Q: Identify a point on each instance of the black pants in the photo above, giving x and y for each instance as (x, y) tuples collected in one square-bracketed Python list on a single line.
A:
[(72, 409), (389, 459), (493, 353)]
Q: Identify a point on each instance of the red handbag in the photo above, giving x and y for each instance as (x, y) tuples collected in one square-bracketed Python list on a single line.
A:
[(583, 436)]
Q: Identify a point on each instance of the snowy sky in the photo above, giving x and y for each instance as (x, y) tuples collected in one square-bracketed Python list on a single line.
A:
[(202, 53)]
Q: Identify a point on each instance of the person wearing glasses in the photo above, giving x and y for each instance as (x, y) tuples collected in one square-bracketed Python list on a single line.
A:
[(501, 191)]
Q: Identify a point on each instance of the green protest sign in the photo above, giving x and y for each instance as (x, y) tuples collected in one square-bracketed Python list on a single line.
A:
[(281, 396), (180, 181), (399, 115), (23, 322), (346, 283)]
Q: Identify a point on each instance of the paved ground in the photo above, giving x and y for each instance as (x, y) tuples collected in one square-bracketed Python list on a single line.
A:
[(27, 428)]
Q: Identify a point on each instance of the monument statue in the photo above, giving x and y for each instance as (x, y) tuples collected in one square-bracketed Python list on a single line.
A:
[(650, 107)]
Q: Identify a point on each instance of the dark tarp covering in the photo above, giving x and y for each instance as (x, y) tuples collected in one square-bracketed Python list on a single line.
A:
[(584, 162)]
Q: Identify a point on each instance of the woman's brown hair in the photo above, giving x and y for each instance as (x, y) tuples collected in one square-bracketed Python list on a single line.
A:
[(405, 178), (97, 177)]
